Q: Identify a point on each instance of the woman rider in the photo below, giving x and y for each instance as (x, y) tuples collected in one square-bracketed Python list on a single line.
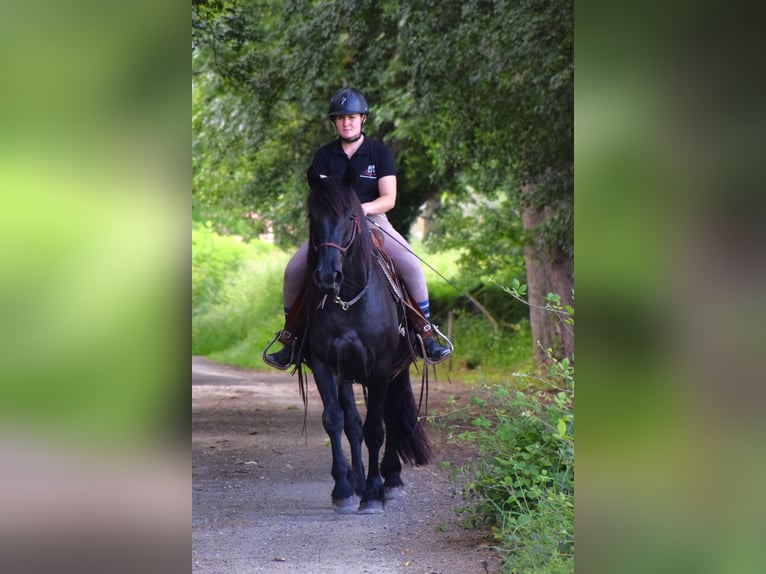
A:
[(376, 187)]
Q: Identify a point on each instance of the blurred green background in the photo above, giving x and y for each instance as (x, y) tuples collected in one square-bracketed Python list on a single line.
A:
[(95, 260), (670, 283), (94, 295), (94, 221)]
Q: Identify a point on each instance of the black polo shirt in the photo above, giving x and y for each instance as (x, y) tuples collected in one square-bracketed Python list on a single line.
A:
[(372, 160)]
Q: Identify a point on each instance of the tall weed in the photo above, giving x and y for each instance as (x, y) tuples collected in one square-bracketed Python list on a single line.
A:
[(522, 485)]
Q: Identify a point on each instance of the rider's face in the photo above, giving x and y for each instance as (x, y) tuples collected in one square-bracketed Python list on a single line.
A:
[(349, 126)]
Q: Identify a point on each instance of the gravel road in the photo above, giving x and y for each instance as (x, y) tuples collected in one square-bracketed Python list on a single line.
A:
[(261, 490)]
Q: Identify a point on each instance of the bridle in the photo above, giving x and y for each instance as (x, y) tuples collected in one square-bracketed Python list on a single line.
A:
[(356, 229), (345, 304)]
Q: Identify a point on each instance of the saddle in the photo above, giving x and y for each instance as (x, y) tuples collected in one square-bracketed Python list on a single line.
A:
[(394, 281), (411, 317)]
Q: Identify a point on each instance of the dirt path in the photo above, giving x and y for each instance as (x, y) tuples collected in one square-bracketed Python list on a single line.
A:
[(261, 491)]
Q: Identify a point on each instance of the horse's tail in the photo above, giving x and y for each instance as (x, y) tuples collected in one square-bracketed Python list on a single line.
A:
[(403, 426)]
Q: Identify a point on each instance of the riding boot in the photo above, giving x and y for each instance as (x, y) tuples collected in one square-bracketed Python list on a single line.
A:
[(283, 358), (294, 322), (434, 351)]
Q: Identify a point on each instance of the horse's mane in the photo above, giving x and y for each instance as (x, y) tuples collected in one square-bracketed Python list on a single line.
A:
[(332, 195)]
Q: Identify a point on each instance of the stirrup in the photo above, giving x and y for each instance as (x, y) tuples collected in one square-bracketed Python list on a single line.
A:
[(435, 329), (268, 361)]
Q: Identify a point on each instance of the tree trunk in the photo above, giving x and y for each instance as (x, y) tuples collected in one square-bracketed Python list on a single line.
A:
[(549, 270)]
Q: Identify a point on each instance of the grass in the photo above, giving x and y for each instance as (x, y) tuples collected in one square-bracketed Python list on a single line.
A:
[(236, 297)]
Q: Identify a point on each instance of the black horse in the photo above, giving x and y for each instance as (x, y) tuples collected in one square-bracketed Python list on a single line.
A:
[(354, 336)]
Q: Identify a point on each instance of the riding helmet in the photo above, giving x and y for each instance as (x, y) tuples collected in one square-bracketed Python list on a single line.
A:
[(348, 101)]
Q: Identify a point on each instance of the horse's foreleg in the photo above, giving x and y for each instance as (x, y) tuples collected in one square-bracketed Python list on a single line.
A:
[(372, 498), (332, 419), (353, 428)]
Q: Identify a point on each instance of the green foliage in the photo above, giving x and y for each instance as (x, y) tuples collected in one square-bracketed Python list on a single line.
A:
[(481, 350), (220, 166), (236, 296), (229, 146), (474, 98), (486, 228), (522, 486), (498, 89), (215, 260)]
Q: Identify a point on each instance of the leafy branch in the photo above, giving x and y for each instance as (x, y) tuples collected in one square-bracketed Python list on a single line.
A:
[(564, 313)]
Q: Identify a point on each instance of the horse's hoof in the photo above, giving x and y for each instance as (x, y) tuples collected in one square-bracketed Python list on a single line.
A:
[(371, 507), (393, 492), (344, 505)]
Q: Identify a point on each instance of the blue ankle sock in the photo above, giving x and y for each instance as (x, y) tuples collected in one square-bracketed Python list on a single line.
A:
[(425, 307)]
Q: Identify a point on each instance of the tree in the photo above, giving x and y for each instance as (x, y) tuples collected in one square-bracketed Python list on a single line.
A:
[(498, 80), (475, 98)]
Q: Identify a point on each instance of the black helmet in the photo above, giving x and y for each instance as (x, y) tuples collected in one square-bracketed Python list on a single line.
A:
[(348, 101)]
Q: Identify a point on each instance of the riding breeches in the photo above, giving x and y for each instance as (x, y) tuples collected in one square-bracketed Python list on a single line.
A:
[(394, 244)]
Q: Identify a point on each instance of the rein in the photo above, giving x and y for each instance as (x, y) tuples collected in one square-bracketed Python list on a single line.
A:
[(346, 304)]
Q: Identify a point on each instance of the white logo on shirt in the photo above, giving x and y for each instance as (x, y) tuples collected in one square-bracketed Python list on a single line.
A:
[(369, 173)]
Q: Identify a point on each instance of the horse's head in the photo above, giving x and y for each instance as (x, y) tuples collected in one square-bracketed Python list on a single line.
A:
[(335, 225)]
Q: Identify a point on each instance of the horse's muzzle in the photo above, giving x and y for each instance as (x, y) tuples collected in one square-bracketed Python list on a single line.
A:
[(328, 281)]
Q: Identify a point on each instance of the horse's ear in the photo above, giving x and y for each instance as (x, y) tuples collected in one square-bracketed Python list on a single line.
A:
[(313, 176), (349, 178)]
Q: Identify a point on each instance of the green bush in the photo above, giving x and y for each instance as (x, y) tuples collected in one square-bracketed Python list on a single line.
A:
[(236, 296), (479, 348), (215, 259), (522, 486)]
